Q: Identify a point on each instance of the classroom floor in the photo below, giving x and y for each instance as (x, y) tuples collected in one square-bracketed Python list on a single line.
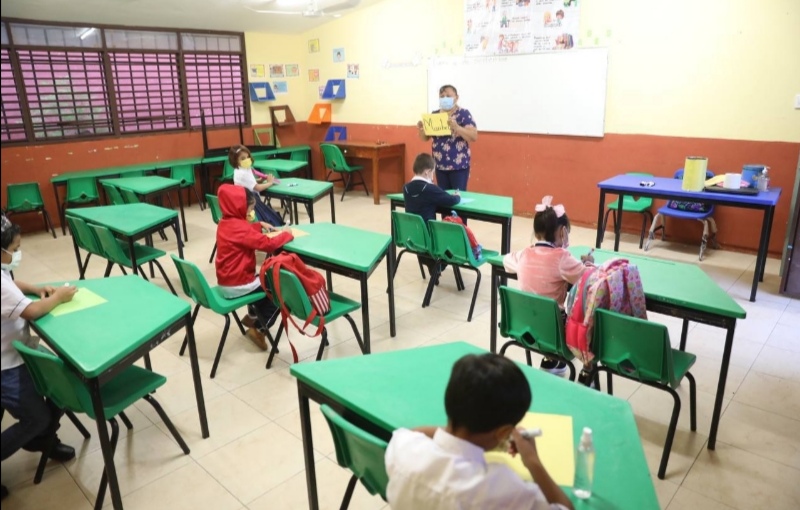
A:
[(254, 457)]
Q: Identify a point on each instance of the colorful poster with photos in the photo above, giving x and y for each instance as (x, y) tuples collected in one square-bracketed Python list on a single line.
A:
[(313, 45), (257, 70), (292, 70), (276, 71), (280, 87), (507, 27), (338, 54), (353, 71), (313, 75)]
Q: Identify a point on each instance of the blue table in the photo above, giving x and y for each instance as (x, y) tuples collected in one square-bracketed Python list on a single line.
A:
[(670, 189)]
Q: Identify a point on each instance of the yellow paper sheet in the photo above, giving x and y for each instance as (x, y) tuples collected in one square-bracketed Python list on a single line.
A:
[(555, 448), (295, 232), (435, 124), (82, 300), (715, 180)]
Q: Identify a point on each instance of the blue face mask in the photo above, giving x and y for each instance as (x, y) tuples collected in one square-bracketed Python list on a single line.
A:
[(447, 103)]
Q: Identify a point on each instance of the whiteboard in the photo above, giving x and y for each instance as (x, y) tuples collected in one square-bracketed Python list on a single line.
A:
[(556, 93)]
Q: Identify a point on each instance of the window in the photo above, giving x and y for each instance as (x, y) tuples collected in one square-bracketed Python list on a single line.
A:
[(12, 128), (214, 89), (148, 92), (66, 93)]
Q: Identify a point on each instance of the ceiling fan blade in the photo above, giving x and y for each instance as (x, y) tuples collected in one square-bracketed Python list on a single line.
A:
[(347, 4)]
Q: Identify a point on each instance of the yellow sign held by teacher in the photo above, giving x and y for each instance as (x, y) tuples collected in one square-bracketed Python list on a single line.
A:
[(435, 124)]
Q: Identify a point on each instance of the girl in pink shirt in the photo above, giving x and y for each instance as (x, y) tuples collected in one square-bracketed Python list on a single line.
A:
[(547, 268)]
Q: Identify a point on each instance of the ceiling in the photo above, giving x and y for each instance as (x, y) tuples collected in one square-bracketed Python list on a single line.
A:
[(228, 15)]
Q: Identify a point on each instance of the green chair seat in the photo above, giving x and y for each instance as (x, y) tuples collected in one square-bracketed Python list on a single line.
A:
[(335, 162), (360, 452), (629, 204), (640, 350), (26, 197)]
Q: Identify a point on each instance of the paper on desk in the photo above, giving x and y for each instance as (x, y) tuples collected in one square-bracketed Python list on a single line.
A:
[(465, 200), (295, 233), (83, 299), (555, 448)]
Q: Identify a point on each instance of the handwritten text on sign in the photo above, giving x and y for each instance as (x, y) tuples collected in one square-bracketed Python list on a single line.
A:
[(435, 124)]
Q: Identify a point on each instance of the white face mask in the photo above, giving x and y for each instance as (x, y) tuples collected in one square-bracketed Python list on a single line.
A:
[(16, 258)]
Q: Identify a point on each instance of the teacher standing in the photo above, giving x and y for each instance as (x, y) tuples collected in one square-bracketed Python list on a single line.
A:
[(451, 152)]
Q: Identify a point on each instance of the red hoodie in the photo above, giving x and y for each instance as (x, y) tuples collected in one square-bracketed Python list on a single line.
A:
[(238, 239)]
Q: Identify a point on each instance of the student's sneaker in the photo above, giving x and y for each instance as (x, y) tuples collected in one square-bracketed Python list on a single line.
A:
[(257, 337), (586, 379), (553, 366)]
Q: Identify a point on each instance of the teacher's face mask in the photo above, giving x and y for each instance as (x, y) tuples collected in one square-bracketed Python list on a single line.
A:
[(447, 103)]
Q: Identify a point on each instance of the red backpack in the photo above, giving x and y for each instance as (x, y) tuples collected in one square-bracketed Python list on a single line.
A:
[(477, 249), (313, 284)]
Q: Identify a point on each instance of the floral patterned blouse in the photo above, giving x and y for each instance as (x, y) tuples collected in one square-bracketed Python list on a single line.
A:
[(452, 152)]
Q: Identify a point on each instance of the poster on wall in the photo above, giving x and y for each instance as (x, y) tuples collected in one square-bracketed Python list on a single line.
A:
[(353, 71), (503, 27), (257, 71), (313, 75), (292, 70), (280, 87), (276, 71), (313, 45), (338, 55)]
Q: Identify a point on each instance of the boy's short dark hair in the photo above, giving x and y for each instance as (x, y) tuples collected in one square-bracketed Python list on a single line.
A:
[(423, 161), (485, 392)]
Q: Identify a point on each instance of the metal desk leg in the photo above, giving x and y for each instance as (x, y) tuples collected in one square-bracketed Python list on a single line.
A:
[(506, 237), (365, 312), (177, 228), (766, 248), (333, 207), (761, 257), (132, 254), (600, 211), (204, 181), (390, 262), (723, 376), (198, 385), (376, 194), (308, 450), (311, 211), (618, 226), (493, 311), (81, 269), (684, 333), (105, 444), (183, 216)]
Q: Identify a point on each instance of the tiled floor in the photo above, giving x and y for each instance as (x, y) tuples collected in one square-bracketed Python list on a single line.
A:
[(253, 458)]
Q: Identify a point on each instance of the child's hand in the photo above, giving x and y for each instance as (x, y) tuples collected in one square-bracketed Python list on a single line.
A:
[(525, 447), (457, 193), (45, 291), (65, 294), (420, 125), (287, 228), (270, 178), (587, 258), (266, 226)]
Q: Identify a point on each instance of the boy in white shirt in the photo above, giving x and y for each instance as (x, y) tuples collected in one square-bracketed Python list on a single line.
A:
[(444, 468)]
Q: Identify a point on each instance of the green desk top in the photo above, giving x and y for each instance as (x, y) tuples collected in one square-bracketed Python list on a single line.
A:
[(128, 219), (102, 172), (94, 339), (143, 185), (406, 389), (305, 188), (279, 165), (344, 246), (670, 282), (481, 203)]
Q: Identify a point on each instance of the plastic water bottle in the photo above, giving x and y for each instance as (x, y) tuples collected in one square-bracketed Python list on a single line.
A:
[(584, 465), (763, 180)]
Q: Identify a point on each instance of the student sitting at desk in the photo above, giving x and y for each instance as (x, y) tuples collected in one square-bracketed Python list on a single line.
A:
[(237, 242), (444, 468), (242, 162), (19, 396)]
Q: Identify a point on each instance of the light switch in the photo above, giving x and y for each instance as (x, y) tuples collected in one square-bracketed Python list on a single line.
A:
[(797, 102)]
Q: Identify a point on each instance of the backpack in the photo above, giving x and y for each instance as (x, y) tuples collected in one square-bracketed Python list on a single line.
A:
[(313, 284), (477, 249), (696, 207)]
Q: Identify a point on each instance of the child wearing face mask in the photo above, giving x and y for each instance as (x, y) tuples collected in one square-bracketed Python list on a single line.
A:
[(19, 396), (547, 268), (241, 160)]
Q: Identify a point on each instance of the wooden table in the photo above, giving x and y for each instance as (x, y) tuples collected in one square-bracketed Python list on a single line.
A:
[(375, 152)]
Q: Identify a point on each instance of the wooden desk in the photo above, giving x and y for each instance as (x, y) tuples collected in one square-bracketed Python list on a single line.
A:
[(375, 152)]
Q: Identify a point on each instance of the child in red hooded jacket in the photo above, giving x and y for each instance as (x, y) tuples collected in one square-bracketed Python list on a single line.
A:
[(237, 242)]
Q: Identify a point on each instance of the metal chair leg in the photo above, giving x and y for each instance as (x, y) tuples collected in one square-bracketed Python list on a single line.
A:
[(221, 345), (355, 331), (185, 338), (213, 251), (101, 492), (125, 420), (178, 438), (692, 402), (78, 425), (673, 423), (164, 275), (474, 294)]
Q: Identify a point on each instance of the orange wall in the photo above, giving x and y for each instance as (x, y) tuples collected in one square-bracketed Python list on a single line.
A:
[(525, 167)]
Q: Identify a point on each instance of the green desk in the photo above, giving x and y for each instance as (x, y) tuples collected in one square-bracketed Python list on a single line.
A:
[(387, 391), (482, 207), (670, 288), (282, 166), (301, 191), (350, 252), (149, 187), (101, 341), (130, 222)]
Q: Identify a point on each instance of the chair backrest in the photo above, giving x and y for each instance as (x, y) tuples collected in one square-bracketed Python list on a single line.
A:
[(24, 196), (129, 196), (54, 380), (110, 246), (193, 282), (334, 159), (227, 171), (534, 321), (213, 206), (294, 295), (450, 243), (183, 173), (359, 451), (299, 155), (84, 236), (113, 194), (411, 232), (82, 189), (635, 347)]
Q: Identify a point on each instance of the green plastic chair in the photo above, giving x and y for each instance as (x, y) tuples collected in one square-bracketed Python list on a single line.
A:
[(360, 452), (335, 163), (196, 288), (26, 197), (185, 174), (117, 253), (534, 323), (451, 245), (227, 173), (410, 233), (216, 215), (129, 196), (56, 382), (80, 191), (84, 238), (298, 304), (639, 205), (113, 195), (640, 350)]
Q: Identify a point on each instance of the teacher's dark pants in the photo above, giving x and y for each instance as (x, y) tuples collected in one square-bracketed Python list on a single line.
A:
[(453, 179)]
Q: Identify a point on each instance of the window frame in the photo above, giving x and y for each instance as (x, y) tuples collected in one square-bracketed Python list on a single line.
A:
[(111, 85)]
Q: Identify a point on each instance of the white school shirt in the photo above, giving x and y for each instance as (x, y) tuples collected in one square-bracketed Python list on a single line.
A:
[(14, 327), (448, 473), (244, 177)]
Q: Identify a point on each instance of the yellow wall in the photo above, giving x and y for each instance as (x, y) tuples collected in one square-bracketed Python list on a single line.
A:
[(713, 69)]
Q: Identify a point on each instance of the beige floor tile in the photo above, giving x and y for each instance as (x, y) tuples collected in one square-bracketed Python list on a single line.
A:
[(323, 440), (178, 395), (685, 499), (781, 363), (785, 337), (57, 491), (761, 433), (331, 483), (771, 394), (665, 491), (685, 448), (706, 373), (274, 395), (70, 435), (187, 488), (743, 480), (656, 405), (710, 342), (256, 463)]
